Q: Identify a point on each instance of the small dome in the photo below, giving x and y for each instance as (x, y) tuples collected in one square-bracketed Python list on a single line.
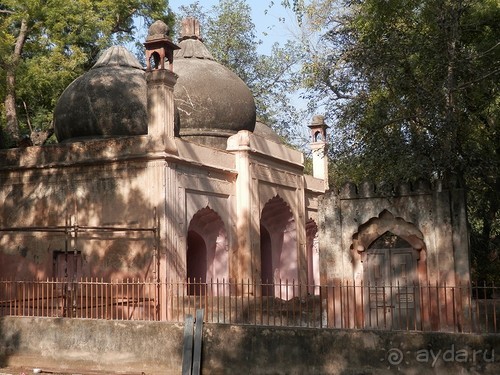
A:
[(212, 102), (109, 100), (158, 30)]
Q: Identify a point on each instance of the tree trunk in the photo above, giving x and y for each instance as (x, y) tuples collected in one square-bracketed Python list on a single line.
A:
[(12, 126), (451, 25)]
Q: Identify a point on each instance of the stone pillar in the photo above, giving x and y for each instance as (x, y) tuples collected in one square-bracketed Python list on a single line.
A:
[(161, 109), (240, 145), (320, 162), (332, 271), (301, 238), (461, 242), (161, 83), (161, 124)]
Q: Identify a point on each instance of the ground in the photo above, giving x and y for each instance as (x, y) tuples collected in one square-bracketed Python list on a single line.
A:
[(30, 370)]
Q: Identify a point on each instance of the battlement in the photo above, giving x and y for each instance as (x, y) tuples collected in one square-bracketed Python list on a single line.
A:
[(371, 190)]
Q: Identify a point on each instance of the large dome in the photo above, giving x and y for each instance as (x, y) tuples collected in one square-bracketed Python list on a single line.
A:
[(109, 100), (212, 103)]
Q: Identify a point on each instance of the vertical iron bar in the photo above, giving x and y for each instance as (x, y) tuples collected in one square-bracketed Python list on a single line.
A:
[(362, 292), (453, 297), (494, 300), (485, 300)]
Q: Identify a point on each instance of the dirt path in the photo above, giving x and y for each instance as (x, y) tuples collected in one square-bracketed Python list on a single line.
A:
[(46, 371)]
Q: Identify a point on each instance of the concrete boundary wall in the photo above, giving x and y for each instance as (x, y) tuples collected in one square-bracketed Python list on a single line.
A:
[(156, 348)]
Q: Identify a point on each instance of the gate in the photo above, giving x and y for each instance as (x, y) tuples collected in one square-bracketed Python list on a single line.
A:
[(390, 275)]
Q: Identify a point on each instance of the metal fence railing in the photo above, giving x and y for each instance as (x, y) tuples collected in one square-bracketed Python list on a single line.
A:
[(85, 298), (457, 308)]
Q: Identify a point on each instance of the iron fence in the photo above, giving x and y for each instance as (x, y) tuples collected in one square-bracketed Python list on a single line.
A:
[(128, 299), (457, 308)]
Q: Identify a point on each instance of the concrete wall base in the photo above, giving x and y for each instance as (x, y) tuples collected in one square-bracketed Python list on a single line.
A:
[(156, 348)]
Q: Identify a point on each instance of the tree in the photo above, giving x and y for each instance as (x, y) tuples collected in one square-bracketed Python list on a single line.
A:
[(412, 87), (45, 45), (231, 38), (230, 35)]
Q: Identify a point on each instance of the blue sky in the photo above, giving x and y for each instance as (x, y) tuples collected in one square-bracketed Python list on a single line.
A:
[(268, 25), (273, 24)]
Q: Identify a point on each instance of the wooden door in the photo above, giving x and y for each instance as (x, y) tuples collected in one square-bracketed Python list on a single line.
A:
[(391, 286)]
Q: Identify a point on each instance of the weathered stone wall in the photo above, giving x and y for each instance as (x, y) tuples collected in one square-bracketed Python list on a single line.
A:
[(74, 189), (156, 348), (108, 185), (433, 216), (119, 183)]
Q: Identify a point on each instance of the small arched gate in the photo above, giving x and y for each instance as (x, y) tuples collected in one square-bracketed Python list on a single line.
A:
[(391, 284)]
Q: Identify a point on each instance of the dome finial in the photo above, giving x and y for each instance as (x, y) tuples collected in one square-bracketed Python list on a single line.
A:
[(158, 30), (190, 29)]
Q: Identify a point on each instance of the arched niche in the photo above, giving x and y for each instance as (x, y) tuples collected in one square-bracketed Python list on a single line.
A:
[(279, 258), (207, 248)]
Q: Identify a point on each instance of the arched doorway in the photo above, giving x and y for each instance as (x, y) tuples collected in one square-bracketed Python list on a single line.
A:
[(266, 258), (390, 275), (279, 263), (392, 256), (196, 263), (207, 251)]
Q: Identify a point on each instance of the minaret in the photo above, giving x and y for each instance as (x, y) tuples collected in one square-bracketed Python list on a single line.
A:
[(160, 85), (318, 146), (161, 81)]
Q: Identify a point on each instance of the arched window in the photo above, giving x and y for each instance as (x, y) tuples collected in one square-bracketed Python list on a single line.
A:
[(154, 60)]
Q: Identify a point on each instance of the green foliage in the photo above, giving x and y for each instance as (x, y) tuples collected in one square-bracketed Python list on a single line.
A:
[(231, 38), (63, 40), (412, 89), (230, 35)]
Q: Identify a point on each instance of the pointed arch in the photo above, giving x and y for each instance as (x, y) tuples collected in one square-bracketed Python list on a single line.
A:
[(391, 251), (386, 222), (278, 221), (207, 248)]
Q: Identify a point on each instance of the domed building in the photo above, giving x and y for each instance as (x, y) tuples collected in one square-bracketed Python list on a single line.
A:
[(212, 103), (163, 173), (109, 100), (172, 156)]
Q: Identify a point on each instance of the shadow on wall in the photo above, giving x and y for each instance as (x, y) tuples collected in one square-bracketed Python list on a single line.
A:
[(280, 350), (264, 350), (9, 344), (87, 195)]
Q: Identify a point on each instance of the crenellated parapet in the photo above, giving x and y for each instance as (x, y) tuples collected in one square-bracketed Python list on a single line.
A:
[(355, 216), (369, 189)]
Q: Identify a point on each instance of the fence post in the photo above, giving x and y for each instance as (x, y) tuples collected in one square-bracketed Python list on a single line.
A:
[(187, 350), (198, 339)]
